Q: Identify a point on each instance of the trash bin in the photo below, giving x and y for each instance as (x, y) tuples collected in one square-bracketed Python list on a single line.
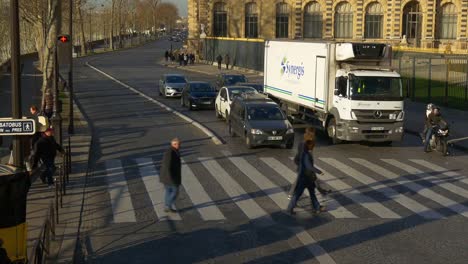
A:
[(14, 187)]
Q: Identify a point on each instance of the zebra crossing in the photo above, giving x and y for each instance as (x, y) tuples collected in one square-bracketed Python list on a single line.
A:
[(356, 180)]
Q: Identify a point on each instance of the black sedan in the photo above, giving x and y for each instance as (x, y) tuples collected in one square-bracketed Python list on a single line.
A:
[(197, 95)]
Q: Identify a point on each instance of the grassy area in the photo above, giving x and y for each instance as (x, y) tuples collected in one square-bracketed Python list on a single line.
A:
[(456, 93)]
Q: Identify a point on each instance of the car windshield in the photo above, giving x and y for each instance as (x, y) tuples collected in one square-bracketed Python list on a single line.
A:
[(233, 79), (265, 113), (257, 87), (375, 88), (233, 92), (175, 79), (201, 87)]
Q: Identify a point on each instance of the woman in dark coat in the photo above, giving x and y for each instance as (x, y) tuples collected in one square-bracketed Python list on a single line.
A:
[(306, 177)]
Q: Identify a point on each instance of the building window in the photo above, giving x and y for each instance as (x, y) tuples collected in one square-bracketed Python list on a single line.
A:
[(374, 18), (448, 22), (312, 20), (344, 20), (220, 20), (282, 20), (412, 18), (251, 20)]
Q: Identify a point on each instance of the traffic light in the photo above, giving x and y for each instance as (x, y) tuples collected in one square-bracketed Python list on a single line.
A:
[(64, 49)]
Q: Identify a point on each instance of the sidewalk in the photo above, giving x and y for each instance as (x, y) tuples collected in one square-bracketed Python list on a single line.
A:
[(414, 119)]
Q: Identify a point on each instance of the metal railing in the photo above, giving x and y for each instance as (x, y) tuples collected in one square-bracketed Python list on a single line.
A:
[(41, 250)]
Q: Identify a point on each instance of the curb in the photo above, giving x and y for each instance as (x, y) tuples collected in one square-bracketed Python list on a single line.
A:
[(204, 129)]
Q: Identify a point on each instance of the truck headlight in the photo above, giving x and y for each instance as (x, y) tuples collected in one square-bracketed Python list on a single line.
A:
[(353, 116), (290, 131), (401, 116), (256, 131)]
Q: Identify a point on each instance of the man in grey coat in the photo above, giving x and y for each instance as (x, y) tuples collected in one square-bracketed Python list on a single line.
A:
[(171, 170)]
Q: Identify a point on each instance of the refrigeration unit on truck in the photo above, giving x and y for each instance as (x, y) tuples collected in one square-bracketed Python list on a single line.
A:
[(347, 89)]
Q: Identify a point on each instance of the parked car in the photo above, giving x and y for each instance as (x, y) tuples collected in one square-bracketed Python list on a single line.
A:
[(171, 85), (260, 121), (225, 97), (256, 86), (198, 95), (226, 79)]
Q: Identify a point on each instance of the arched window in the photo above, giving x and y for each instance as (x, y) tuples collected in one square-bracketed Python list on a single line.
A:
[(344, 20), (282, 20), (219, 20), (412, 17), (448, 21), (374, 18), (251, 20), (312, 20)]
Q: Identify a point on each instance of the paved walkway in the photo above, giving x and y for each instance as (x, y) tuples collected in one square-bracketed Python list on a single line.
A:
[(414, 111)]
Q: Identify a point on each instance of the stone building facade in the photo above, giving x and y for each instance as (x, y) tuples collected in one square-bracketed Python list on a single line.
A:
[(416, 23)]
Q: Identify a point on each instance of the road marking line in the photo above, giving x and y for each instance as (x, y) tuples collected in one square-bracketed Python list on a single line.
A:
[(241, 198), (267, 186), (121, 201), (334, 208), (446, 202), (361, 199), (155, 189), (200, 199), (407, 202), (204, 129)]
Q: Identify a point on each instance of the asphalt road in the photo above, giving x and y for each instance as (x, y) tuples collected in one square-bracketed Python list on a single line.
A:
[(390, 204)]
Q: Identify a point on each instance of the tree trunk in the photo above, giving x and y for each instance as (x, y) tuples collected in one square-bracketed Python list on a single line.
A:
[(111, 41), (82, 31)]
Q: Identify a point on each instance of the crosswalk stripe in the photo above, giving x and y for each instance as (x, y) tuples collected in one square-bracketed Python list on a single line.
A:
[(154, 188), (407, 202), (121, 201), (437, 181), (363, 200), (241, 198), (200, 199), (334, 208), (311, 244), (446, 202), (435, 167), (274, 192)]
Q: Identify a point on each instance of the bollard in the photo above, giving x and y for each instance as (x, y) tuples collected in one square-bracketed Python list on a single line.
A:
[(64, 184), (56, 200)]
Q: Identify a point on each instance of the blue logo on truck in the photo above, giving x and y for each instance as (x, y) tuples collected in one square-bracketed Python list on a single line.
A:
[(291, 69)]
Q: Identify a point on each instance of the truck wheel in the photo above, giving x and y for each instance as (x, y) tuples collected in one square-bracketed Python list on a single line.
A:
[(331, 130)]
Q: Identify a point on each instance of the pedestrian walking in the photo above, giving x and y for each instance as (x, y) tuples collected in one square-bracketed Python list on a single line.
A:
[(227, 60), (185, 59), (309, 134), (192, 58), (181, 59), (219, 59), (48, 104), (171, 171), (306, 178), (45, 151), (166, 55)]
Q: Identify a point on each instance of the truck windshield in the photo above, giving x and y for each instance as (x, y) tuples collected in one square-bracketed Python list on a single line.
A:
[(375, 88)]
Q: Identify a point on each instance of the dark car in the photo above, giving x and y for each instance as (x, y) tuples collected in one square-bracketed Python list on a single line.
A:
[(260, 121), (198, 95), (225, 79), (256, 86)]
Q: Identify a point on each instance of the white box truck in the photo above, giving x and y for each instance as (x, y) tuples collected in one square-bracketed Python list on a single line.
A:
[(346, 89)]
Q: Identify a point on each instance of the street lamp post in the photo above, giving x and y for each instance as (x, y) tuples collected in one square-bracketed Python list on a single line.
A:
[(71, 128), (18, 154)]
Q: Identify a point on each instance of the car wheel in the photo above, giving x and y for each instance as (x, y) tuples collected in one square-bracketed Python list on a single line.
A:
[(227, 116), (290, 144), (248, 141), (331, 130), (160, 94), (231, 131), (190, 105), (218, 115), (182, 102)]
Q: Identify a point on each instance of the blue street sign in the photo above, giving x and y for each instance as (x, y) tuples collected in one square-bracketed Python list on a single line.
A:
[(15, 127)]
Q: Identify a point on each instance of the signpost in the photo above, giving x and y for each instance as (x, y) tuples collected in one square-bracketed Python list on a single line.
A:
[(17, 127)]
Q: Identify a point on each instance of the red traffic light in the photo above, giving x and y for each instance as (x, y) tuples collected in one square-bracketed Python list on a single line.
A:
[(63, 38)]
